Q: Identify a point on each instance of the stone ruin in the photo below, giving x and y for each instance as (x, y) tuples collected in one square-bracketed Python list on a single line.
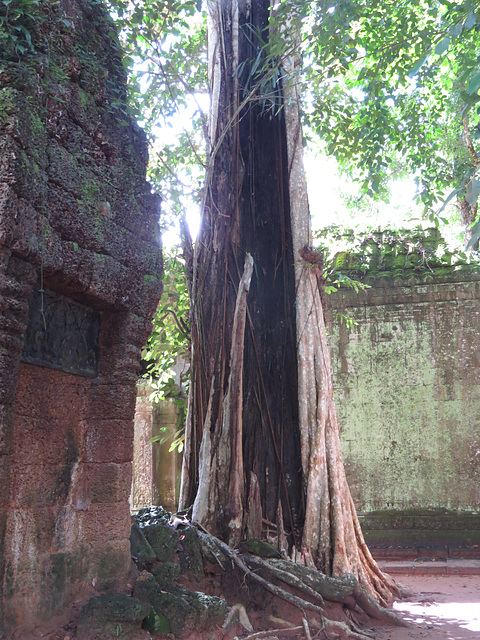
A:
[(80, 278), (407, 387)]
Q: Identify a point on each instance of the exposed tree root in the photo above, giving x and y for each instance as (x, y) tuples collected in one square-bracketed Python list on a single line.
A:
[(293, 632), (238, 561), (340, 629), (285, 576), (312, 589), (346, 590)]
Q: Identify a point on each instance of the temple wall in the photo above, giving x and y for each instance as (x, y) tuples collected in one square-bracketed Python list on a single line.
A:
[(156, 469), (80, 277), (407, 389)]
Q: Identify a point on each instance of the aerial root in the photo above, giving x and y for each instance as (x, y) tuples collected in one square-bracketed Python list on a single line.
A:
[(312, 584)]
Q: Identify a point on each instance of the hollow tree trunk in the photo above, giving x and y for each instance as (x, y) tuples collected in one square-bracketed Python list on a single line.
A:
[(262, 436)]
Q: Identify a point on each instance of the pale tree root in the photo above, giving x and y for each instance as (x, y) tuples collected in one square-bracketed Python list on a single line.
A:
[(346, 590), (207, 542), (310, 584)]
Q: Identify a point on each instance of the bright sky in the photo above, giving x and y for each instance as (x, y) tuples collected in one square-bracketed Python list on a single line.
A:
[(326, 188)]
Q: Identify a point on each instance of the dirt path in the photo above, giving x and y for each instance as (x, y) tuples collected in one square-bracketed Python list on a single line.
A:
[(442, 608)]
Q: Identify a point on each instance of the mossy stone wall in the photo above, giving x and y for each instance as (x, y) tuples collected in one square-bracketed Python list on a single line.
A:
[(407, 389), (79, 227)]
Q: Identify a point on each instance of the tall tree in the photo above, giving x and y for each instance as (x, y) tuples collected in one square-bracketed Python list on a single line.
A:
[(262, 440)]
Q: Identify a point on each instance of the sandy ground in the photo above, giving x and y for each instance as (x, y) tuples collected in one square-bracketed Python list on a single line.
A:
[(442, 607)]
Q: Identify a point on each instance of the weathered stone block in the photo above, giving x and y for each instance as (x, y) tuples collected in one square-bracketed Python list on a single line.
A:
[(166, 573), (109, 564), (141, 550), (109, 482), (6, 440), (112, 402), (77, 219), (106, 522), (113, 616), (189, 553), (180, 611), (163, 540), (39, 485), (108, 441), (59, 574)]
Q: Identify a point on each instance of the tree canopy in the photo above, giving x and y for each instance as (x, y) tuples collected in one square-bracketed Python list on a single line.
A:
[(389, 89), (395, 89)]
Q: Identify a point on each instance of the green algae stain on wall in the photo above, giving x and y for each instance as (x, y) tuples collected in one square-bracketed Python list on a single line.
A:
[(384, 435), (407, 391)]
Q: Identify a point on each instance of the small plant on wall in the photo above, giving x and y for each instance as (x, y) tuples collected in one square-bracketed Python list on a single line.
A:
[(17, 18)]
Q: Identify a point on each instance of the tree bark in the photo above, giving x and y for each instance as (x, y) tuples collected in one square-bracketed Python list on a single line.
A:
[(262, 430), (468, 211)]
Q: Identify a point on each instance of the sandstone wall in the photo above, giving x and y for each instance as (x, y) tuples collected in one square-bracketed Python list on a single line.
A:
[(80, 276), (407, 388), (156, 469)]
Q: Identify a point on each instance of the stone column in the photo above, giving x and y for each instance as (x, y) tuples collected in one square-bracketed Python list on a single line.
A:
[(106, 461), (16, 281)]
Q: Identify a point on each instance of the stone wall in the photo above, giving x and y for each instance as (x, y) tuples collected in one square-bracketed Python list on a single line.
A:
[(156, 469), (407, 388), (80, 276)]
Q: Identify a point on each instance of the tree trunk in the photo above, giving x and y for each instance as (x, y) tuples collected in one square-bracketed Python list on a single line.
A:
[(468, 210), (262, 437), (468, 214)]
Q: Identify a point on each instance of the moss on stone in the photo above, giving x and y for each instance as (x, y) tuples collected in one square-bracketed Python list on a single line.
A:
[(180, 611), (260, 548)]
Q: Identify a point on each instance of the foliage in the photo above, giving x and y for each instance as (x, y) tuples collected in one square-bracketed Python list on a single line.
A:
[(17, 18), (170, 339), (393, 87), (165, 53), (169, 345)]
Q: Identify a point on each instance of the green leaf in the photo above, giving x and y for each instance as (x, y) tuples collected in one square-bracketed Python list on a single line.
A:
[(418, 65), (475, 235), (469, 99), (456, 30), (474, 84), (442, 46), (455, 191), (447, 200), (472, 191), (470, 21)]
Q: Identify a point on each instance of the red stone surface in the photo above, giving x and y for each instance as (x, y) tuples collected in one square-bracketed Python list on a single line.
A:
[(77, 218)]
